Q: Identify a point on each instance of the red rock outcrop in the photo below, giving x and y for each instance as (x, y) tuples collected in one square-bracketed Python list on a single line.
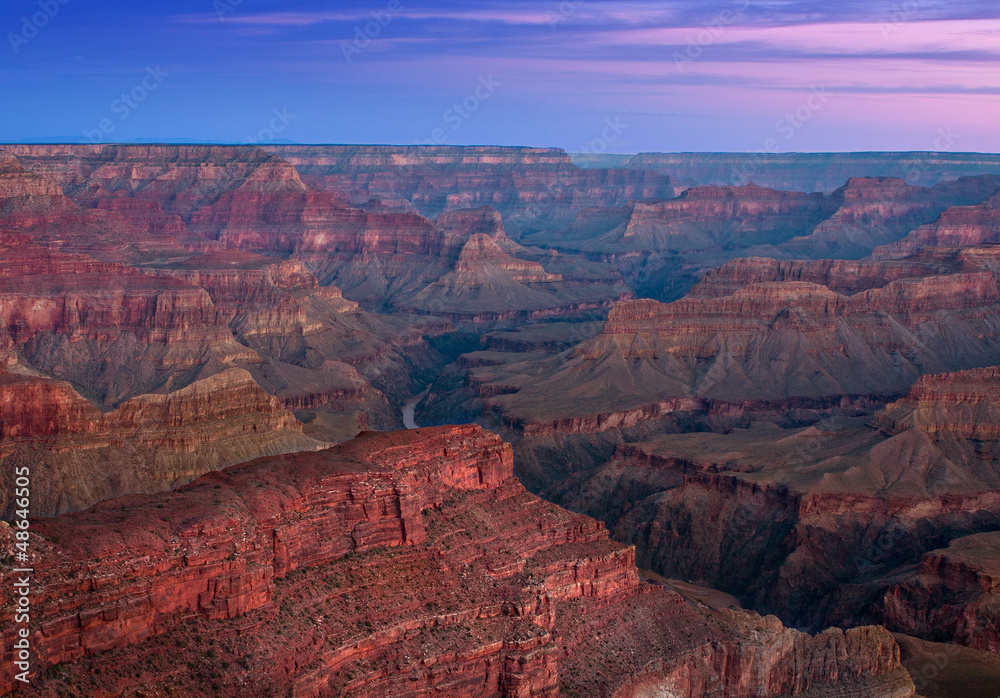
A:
[(963, 405), (37, 208), (80, 456), (847, 277), (465, 223), (254, 295), (116, 331), (870, 212), (316, 347), (155, 186), (526, 185), (952, 596), (786, 343), (370, 255), (820, 526), (495, 279), (398, 562), (843, 276), (958, 226), (701, 219), (239, 197), (482, 250), (8, 355), (488, 284), (780, 662), (82, 320), (207, 197), (661, 247)]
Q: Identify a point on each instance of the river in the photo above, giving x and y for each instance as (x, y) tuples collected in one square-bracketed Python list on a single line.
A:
[(410, 408)]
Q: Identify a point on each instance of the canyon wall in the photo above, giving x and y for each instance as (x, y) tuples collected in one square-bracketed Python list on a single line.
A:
[(376, 566), (888, 520), (80, 456), (815, 172)]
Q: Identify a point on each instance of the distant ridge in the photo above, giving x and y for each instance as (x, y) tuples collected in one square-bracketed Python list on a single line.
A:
[(811, 172)]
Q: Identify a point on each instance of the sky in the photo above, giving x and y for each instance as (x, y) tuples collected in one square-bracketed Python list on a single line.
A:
[(589, 76)]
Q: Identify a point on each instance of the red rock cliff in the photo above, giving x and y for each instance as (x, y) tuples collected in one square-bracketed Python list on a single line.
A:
[(81, 456), (408, 562)]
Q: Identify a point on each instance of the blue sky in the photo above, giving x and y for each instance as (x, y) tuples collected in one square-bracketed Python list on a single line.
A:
[(585, 75)]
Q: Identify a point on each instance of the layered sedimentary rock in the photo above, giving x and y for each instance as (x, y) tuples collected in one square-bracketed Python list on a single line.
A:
[(207, 197), (941, 668), (843, 276), (815, 172), (700, 219), (117, 331), (79, 455), (773, 344), (158, 186), (82, 321), (197, 314), (8, 356), (661, 247), (820, 526), (958, 226), (204, 198), (488, 284), (256, 296), (870, 212), (952, 596), (318, 351), (950, 406), (465, 223), (887, 520), (37, 208), (847, 277), (374, 256), (396, 563), (531, 187)]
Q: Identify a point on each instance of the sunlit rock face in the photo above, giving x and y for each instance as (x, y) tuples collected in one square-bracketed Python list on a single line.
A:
[(378, 567)]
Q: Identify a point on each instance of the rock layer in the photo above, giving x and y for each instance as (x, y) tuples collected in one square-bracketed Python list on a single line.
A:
[(80, 320), (80, 456), (529, 186), (768, 345), (376, 566), (958, 226), (810, 172), (961, 405)]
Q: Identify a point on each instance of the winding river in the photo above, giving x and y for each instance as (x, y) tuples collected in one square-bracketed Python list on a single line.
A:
[(409, 409)]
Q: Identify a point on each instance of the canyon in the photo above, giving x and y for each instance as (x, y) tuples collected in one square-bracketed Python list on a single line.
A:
[(373, 569), (809, 172), (783, 387)]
